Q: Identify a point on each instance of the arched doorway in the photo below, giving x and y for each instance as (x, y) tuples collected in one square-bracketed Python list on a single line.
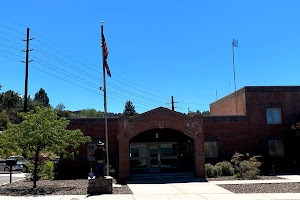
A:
[(161, 150), (160, 134)]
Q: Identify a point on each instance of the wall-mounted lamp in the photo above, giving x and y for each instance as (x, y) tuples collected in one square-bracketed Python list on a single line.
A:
[(156, 135)]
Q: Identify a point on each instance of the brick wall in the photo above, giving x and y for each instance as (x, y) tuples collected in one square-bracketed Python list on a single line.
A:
[(95, 128), (230, 132), (227, 104)]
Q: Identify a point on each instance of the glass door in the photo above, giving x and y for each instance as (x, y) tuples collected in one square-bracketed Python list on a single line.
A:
[(154, 157)]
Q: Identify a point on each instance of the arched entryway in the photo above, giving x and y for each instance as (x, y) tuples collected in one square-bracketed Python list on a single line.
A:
[(161, 150), (160, 139)]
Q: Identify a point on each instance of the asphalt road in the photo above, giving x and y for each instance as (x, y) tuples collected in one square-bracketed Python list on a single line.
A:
[(4, 178)]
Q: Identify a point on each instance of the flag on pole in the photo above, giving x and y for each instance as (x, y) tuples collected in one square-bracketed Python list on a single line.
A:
[(235, 43), (105, 54)]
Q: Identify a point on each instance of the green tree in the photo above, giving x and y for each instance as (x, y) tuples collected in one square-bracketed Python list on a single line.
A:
[(4, 120), (42, 97), (88, 113), (12, 103), (129, 109), (198, 112), (61, 112), (41, 131)]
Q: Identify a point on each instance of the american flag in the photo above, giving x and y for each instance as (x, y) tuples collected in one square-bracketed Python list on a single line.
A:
[(105, 53)]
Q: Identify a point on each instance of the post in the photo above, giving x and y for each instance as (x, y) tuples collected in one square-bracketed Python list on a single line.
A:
[(105, 104), (26, 73), (10, 174), (172, 103), (234, 78)]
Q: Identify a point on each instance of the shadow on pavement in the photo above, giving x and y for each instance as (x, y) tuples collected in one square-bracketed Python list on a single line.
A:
[(167, 180)]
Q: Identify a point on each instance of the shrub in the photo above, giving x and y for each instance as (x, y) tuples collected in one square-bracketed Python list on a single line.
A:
[(246, 168), (227, 168), (209, 170), (212, 171), (217, 171), (45, 171)]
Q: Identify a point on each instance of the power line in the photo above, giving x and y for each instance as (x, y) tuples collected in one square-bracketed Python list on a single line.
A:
[(10, 58), (87, 74), (10, 46), (12, 41), (79, 85), (89, 66), (80, 80), (11, 35), (11, 53), (12, 29)]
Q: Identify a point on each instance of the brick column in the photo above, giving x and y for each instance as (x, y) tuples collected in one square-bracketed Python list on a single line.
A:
[(124, 162), (199, 146)]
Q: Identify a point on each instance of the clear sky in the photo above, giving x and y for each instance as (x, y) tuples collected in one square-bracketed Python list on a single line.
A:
[(157, 49)]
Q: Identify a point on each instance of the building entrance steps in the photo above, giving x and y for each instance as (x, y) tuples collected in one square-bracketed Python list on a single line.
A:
[(162, 175)]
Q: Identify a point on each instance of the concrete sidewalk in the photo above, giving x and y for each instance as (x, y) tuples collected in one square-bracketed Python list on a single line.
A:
[(285, 179), (189, 189)]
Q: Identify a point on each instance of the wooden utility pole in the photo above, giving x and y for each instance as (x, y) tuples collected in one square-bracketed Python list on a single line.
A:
[(172, 103), (26, 70)]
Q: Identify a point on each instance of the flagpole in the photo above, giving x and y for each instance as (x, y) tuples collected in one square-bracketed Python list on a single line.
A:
[(105, 104), (234, 78)]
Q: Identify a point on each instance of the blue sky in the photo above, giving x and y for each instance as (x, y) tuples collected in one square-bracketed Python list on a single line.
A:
[(158, 49)]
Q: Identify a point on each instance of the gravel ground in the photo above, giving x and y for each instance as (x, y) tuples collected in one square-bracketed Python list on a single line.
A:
[(264, 188), (230, 178), (55, 187)]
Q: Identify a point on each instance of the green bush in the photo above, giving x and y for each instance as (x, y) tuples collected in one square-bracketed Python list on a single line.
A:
[(246, 168), (217, 171), (212, 171), (227, 168), (45, 171), (209, 170)]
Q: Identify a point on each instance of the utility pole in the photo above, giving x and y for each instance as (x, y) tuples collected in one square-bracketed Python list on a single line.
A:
[(172, 103), (26, 71)]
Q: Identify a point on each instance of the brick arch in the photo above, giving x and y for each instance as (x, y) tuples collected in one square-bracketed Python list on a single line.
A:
[(160, 118)]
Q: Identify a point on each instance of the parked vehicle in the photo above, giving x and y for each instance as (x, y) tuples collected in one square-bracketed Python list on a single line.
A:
[(17, 167), (2, 165), (20, 166)]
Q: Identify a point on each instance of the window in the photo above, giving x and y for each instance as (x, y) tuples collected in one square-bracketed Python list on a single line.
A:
[(211, 149), (273, 115), (276, 148)]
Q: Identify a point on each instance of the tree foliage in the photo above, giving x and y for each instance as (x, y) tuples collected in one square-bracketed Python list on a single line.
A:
[(4, 120), (129, 109), (42, 97), (41, 130), (61, 112), (12, 103), (88, 113), (198, 112)]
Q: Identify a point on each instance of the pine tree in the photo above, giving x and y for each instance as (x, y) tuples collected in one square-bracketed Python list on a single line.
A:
[(129, 109)]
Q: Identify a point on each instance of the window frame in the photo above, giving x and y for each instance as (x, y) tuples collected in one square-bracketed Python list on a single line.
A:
[(273, 116), (276, 151), (217, 149)]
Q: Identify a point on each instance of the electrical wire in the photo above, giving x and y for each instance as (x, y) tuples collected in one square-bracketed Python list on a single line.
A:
[(12, 29), (90, 76), (79, 85), (12, 41), (12, 53)]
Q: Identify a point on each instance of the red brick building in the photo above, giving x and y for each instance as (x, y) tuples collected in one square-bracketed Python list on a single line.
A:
[(254, 120)]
